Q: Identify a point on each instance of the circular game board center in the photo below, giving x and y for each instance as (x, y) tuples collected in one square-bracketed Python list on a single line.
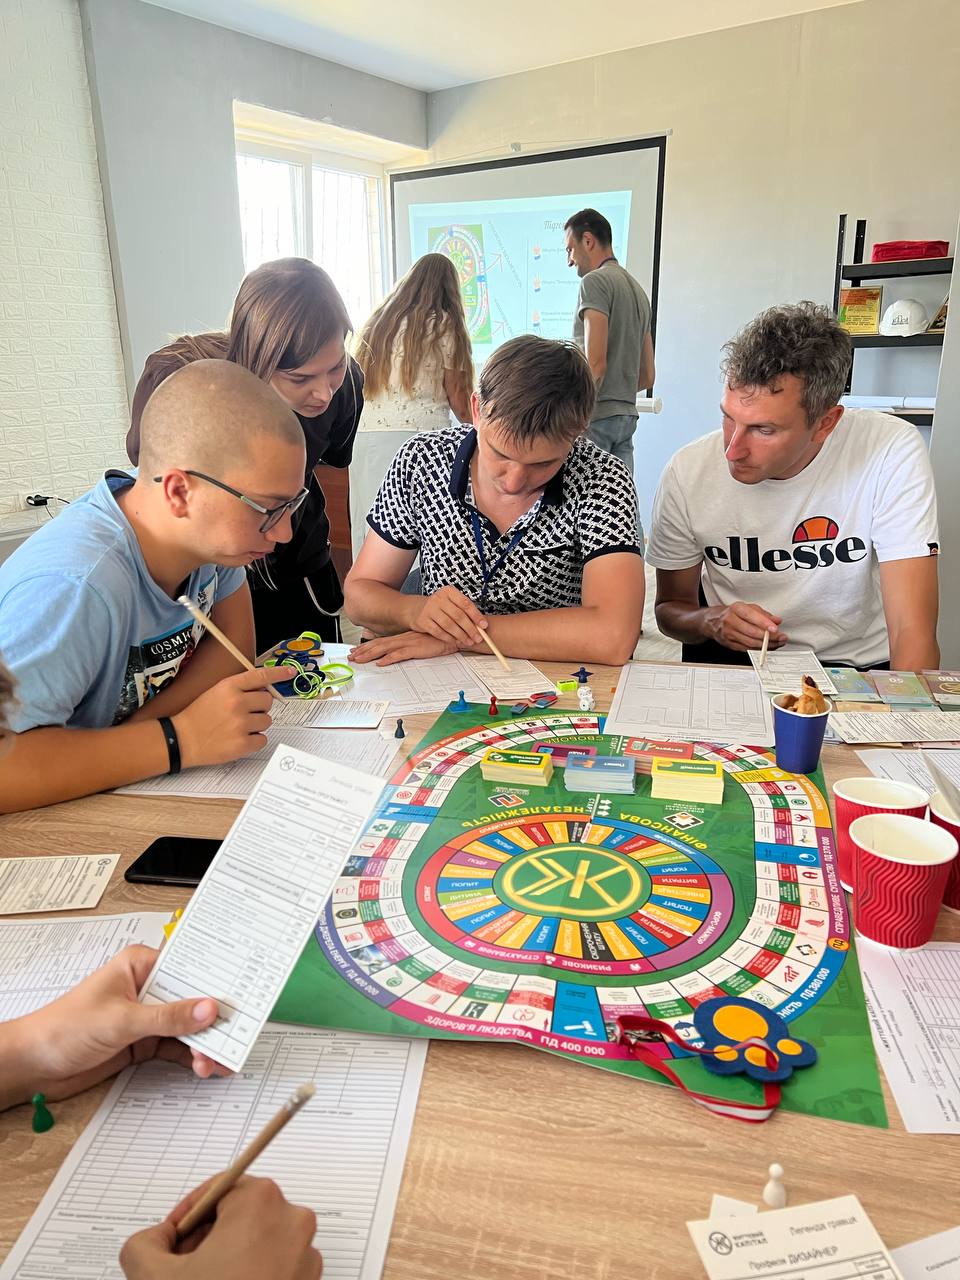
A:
[(574, 882)]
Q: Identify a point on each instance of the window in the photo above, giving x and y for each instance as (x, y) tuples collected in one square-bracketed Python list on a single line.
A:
[(303, 203)]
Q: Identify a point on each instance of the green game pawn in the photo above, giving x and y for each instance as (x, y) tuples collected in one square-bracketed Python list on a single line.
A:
[(42, 1119)]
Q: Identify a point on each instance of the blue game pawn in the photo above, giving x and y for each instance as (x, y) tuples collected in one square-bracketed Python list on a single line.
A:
[(582, 675), (398, 732), (460, 705)]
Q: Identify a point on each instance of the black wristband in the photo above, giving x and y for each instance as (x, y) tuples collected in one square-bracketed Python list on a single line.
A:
[(172, 741)]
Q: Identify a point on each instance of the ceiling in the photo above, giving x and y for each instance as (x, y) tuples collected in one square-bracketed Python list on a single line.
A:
[(434, 44)]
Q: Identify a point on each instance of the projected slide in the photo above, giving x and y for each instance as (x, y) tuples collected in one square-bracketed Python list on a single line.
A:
[(511, 259)]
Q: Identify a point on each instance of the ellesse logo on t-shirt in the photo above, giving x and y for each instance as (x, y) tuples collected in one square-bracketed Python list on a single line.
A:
[(816, 544)]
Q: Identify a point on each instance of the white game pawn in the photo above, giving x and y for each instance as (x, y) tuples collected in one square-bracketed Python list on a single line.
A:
[(775, 1193), (585, 698)]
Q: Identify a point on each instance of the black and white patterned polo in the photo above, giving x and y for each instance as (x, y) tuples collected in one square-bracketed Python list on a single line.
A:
[(425, 504)]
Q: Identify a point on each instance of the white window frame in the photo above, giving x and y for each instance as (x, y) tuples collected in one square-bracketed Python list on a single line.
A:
[(306, 158)]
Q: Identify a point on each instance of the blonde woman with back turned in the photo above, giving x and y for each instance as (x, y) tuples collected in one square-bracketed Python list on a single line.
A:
[(415, 355)]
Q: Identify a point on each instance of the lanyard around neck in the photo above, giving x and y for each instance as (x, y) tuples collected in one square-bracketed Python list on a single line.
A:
[(487, 573)]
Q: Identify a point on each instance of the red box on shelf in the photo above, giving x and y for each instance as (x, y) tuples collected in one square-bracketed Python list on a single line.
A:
[(896, 250)]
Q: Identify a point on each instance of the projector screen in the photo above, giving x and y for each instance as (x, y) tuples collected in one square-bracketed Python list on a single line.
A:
[(501, 222)]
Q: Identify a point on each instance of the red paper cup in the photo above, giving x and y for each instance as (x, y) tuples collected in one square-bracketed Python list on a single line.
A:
[(951, 896), (855, 797), (899, 874)]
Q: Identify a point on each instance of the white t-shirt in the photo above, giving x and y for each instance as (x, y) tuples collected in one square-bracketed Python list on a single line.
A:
[(807, 549), (425, 408)]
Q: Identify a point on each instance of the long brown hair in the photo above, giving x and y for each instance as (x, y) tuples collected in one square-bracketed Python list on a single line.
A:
[(428, 299), (284, 312)]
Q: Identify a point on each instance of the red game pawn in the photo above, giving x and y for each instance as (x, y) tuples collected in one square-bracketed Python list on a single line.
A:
[(492, 709)]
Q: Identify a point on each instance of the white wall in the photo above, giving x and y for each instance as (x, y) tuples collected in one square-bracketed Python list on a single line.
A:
[(63, 407), (945, 455), (777, 128), (164, 87)]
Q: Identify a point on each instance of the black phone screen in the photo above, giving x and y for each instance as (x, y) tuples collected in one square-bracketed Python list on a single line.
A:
[(179, 860)]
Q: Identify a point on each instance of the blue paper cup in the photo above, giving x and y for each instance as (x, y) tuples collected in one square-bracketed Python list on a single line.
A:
[(798, 738)]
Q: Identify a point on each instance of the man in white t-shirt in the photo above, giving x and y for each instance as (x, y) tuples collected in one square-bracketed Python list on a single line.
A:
[(815, 523)]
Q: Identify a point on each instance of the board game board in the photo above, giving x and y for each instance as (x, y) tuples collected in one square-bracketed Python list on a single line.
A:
[(476, 909)]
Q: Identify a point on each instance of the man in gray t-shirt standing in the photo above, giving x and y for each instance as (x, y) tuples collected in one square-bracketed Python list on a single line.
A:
[(612, 326)]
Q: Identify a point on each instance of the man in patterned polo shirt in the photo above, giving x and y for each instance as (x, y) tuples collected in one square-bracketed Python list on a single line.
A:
[(523, 527)]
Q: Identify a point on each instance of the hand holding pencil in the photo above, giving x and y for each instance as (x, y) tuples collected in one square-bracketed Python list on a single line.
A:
[(255, 1233)]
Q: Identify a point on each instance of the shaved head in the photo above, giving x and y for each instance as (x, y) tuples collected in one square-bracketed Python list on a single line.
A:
[(209, 411)]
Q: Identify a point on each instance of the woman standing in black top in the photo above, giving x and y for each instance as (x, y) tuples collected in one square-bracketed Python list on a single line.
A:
[(288, 326)]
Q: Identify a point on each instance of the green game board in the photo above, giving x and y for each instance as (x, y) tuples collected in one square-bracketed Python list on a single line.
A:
[(534, 915)]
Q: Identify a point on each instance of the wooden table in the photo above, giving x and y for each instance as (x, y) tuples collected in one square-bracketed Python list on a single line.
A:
[(523, 1166)]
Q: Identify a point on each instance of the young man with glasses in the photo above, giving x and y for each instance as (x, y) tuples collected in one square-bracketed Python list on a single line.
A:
[(115, 681)]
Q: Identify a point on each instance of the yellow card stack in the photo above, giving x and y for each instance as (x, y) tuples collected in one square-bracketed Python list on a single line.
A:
[(534, 768), (694, 781)]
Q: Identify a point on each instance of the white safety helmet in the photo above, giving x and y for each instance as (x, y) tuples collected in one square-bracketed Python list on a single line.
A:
[(904, 318)]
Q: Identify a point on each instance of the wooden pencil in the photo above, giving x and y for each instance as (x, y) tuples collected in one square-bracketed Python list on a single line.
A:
[(219, 1187), (217, 634), (494, 650), (763, 648)]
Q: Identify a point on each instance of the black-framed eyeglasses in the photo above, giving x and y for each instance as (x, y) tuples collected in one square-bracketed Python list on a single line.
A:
[(272, 515)]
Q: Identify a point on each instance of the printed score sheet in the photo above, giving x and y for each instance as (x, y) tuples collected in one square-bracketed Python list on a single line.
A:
[(826, 1240), (783, 669), (696, 704), (41, 960), (363, 749), (251, 915), (160, 1132), (72, 883), (913, 998)]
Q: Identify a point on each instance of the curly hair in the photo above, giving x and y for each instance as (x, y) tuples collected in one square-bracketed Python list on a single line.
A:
[(802, 339)]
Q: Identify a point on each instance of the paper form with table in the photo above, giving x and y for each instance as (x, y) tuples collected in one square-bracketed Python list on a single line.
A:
[(782, 670), (41, 960), (827, 1240), (358, 748), (913, 998), (896, 726), (908, 766), (160, 1132), (72, 883), (709, 704), (425, 684), (247, 922)]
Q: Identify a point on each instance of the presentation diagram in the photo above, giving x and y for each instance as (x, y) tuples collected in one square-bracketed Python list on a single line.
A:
[(511, 259)]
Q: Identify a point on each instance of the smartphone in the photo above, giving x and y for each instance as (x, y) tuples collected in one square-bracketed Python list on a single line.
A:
[(181, 860)]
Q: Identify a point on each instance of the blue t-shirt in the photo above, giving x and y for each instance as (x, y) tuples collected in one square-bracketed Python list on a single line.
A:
[(87, 633)]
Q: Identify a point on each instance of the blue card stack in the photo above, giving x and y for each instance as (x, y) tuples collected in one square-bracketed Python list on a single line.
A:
[(599, 773)]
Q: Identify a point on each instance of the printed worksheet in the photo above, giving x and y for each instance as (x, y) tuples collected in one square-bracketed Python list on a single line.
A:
[(427, 684), (913, 998), (363, 749), (709, 704), (908, 766), (897, 726), (52, 883), (520, 681), (332, 712), (827, 1240), (784, 668), (41, 960), (160, 1132), (252, 913), (934, 1258)]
